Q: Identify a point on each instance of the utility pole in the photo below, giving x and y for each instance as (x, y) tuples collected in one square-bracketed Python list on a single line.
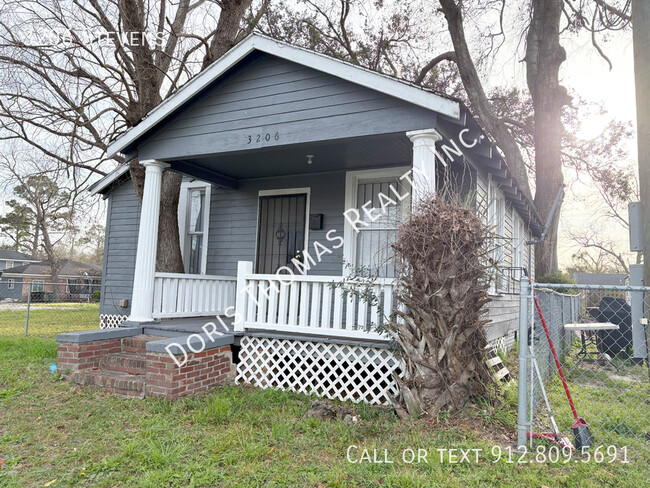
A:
[(641, 38)]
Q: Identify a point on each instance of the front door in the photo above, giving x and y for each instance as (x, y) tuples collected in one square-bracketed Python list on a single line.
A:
[(282, 229)]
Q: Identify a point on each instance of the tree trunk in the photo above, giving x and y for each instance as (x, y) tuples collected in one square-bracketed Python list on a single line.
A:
[(168, 255), (232, 11), (544, 55), (479, 100)]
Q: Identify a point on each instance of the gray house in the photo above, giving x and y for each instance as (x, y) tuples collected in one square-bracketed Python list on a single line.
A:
[(277, 144), (10, 287), (297, 169)]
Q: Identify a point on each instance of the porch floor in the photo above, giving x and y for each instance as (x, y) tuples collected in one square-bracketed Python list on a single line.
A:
[(177, 327)]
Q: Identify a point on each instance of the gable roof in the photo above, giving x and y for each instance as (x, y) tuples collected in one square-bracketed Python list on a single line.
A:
[(383, 83), (11, 255), (68, 268)]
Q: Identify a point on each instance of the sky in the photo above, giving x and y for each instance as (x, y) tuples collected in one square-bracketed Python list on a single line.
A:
[(586, 73)]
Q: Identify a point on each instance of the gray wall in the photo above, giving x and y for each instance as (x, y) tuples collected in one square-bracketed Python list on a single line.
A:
[(264, 95), (3, 264), (5, 292), (122, 222), (233, 220)]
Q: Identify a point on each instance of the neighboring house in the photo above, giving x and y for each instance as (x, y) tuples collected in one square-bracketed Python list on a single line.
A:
[(10, 288), (605, 279), (276, 144), (593, 296), (76, 281), (10, 259)]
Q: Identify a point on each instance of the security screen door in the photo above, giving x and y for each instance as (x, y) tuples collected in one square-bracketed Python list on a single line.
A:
[(282, 227)]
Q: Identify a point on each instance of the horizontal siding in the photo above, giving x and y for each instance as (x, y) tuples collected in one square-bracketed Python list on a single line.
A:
[(267, 95), (504, 316), (122, 223)]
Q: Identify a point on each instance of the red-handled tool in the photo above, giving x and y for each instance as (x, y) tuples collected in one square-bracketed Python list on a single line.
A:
[(580, 427)]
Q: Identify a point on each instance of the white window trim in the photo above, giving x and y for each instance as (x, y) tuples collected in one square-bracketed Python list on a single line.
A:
[(352, 179), (37, 282), (10, 264), (498, 228), (10, 283), (183, 209), (278, 192)]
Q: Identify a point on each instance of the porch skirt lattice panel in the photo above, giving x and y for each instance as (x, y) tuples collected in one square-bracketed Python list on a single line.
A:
[(335, 371), (110, 321)]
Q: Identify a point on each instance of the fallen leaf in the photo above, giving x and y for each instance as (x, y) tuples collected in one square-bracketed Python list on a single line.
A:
[(2, 463), (50, 483)]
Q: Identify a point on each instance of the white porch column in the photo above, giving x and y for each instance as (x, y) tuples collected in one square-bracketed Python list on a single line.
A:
[(424, 162), (145, 258)]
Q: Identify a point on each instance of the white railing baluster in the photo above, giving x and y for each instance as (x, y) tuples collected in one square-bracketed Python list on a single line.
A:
[(294, 295), (374, 309), (315, 305), (304, 304), (283, 303), (327, 306), (349, 311), (337, 321)]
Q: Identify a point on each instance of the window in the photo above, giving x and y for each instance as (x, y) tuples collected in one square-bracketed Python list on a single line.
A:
[(496, 224), (518, 242), (374, 196), (10, 284), (10, 264), (38, 285), (193, 219)]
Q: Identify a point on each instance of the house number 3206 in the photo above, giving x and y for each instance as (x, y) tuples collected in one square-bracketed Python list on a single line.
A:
[(263, 137)]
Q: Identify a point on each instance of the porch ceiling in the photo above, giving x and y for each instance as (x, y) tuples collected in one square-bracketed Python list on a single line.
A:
[(346, 154)]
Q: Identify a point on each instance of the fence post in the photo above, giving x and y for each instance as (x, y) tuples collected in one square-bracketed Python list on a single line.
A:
[(522, 402), (241, 298), (638, 312), (29, 303)]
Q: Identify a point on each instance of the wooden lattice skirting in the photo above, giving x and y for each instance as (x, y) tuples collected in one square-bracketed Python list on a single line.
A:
[(335, 371), (109, 321)]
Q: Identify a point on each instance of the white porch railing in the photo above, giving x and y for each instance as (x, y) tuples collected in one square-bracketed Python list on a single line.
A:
[(309, 304), (191, 295)]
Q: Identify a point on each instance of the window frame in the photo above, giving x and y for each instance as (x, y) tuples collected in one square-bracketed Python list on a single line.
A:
[(10, 264), (183, 219), (496, 206), (11, 283), (352, 180), (37, 282)]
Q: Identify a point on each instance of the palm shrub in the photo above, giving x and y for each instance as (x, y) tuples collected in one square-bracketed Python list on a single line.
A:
[(443, 275)]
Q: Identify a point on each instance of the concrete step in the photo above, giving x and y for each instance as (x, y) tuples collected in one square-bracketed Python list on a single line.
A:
[(121, 384), (137, 344), (124, 362)]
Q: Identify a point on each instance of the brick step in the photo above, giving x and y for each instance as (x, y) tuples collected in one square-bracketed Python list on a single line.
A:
[(124, 362), (121, 384), (138, 343)]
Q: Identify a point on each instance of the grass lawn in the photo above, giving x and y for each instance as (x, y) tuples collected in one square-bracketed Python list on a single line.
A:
[(53, 430), (48, 319)]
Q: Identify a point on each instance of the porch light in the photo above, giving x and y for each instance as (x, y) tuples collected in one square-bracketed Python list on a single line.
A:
[(309, 158)]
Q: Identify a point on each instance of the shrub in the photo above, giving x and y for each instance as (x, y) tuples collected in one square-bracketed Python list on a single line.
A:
[(443, 283), (96, 295)]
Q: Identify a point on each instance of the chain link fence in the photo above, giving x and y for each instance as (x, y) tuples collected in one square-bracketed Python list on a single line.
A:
[(600, 338), (45, 309)]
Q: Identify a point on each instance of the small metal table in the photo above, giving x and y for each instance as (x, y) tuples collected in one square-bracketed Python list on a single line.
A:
[(589, 336)]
